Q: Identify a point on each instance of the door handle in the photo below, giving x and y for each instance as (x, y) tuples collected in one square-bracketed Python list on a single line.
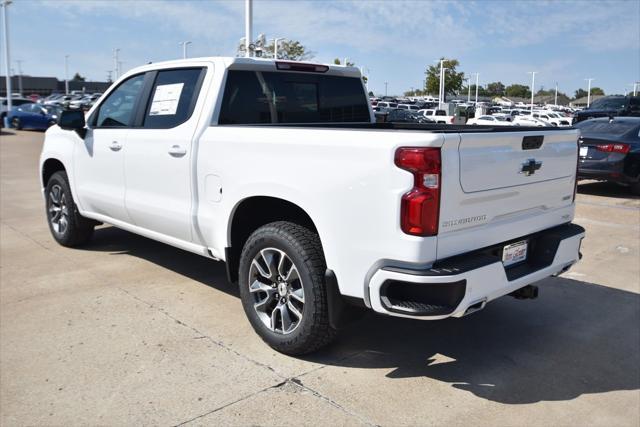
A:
[(115, 146), (177, 151)]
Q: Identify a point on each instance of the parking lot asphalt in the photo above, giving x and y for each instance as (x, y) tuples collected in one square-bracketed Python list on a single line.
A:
[(130, 331)]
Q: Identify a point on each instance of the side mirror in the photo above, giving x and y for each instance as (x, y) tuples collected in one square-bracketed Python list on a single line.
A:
[(73, 120)]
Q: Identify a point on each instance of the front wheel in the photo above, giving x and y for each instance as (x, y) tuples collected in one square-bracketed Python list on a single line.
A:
[(16, 123), (282, 288), (67, 226)]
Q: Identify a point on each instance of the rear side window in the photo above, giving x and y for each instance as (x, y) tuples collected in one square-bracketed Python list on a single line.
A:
[(271, 97), (173, 97)]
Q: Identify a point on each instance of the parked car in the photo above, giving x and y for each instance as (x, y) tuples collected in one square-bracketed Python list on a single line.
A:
[(386, 105), (33, 116), (4, 109), (85, 102), (610, 150), (528, 120), (400, 115), (610, 106), (551, 118), (489, 121), (440, 116), (313, 206), (410, 107)]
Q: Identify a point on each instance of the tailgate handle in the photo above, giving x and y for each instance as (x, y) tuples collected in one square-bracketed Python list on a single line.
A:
[(532, 142)]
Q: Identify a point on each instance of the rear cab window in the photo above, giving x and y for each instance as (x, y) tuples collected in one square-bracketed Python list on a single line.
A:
[(254, 97), (172, 98)]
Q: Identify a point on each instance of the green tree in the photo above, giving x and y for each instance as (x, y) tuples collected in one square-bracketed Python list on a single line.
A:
[(597, 91), (78, 78), (580, 93), (349, 63), (519, 91), (292, 50), (495, 89), (452, 78)]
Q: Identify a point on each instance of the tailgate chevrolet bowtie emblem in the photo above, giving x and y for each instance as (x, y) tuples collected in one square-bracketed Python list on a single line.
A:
[(530, 167)]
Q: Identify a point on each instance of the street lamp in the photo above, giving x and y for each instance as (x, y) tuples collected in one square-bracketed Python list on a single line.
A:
[(385, 88), (248, 20), (275, 47), (20, 61), (533, 83), (589, 91), (116, 71), (5, 21), (66, 74), (184, 48), (477, 82), (441, 92), (468, 90), (555, 101)]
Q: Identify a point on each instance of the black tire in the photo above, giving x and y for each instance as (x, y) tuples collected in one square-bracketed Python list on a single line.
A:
[(16, 123), (303, 249), (77, 230), (635, 189)]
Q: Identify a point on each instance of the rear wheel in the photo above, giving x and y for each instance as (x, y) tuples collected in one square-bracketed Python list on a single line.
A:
[(635, 188), (282, 288), (67, 226), (16, 123)]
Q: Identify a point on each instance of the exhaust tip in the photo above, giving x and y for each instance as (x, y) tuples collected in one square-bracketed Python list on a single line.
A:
[(527, 292), (476, 306)]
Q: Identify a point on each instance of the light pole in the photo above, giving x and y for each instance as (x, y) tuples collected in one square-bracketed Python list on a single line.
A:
[(20, 61), (115, 64), (468, 90), (275, 47), (385, 88), (477, 82), (441, 87), (555, 101), (533, 84), (184, 48), (248, 20), (635, 85), (66, 74), (5, 22), (589, 91)]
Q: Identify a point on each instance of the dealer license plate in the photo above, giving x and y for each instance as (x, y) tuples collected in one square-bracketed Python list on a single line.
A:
[(514, 253), (584, 151)]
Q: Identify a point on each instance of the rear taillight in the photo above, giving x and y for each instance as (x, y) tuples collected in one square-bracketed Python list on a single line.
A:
[(452, 119), (420, 207), (613, 148)]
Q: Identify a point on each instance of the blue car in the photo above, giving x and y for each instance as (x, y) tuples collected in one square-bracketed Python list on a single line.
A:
[(33, 116)]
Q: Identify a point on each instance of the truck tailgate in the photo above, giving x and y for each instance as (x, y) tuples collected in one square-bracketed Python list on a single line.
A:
[(500, 160), (499, 186)]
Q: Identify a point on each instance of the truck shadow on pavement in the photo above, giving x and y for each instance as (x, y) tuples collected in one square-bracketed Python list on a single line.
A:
[(576, 338), (605, 189)]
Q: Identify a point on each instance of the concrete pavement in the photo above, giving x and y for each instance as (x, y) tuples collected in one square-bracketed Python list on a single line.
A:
[(129, 331)]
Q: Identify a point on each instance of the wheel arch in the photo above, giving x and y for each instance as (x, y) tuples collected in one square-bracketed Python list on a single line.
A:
[(253, 212), (49, 167)]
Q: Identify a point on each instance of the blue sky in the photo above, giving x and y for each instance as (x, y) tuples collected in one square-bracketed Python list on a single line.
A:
[(564, 41)]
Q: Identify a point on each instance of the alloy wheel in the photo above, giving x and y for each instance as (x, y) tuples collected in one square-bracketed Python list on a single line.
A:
[(58, 209), (276, 287)]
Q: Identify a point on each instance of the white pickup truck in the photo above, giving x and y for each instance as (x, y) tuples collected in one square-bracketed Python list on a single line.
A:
[(279, 169)]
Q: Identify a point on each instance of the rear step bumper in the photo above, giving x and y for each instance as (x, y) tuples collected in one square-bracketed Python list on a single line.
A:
[(463, 284)]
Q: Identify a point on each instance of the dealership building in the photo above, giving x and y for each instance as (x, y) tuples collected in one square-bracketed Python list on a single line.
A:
[(44, 86)]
